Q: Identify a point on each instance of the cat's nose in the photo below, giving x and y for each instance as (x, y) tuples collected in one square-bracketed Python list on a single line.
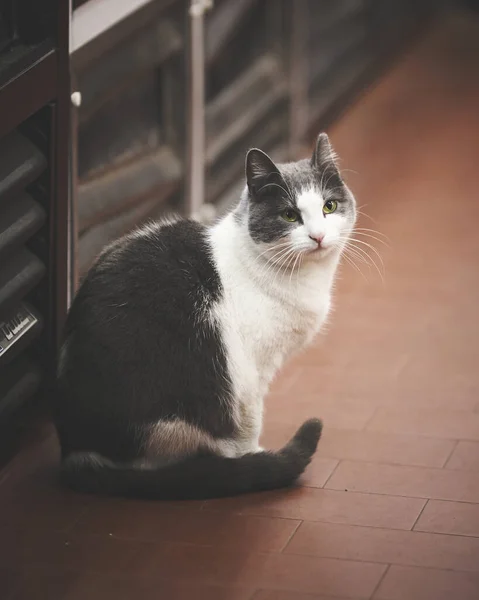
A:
[(317, 238)]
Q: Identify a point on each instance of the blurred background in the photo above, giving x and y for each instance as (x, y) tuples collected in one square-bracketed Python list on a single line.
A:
[(265, 73)]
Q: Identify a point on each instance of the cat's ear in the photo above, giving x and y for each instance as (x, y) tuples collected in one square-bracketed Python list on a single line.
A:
[(323, 155), (260, 169)]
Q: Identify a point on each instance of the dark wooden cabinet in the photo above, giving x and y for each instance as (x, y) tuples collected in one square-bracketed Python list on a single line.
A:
[(34, 192)]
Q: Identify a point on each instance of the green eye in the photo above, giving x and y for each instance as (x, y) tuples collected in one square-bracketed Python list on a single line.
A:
[(329, 207), (290, 215)]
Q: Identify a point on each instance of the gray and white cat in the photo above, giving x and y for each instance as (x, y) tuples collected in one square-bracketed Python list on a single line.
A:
[(177, 331)]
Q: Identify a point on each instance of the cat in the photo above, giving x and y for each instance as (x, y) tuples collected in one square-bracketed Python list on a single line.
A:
[(178, 329)]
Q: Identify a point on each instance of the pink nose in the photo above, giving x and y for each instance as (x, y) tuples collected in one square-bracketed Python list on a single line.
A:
[(317, 238)]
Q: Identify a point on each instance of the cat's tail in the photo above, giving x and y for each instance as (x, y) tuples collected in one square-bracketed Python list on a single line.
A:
[(200, 477)]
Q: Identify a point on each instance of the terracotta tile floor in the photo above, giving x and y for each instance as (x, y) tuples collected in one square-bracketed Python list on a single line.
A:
[(390, 510)]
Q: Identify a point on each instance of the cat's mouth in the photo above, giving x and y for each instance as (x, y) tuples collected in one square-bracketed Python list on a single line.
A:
[(320, 250)]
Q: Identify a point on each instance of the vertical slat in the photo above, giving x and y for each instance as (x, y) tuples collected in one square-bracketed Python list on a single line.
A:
[(298, 76), (73, 205), (60, 186), (195, 184)]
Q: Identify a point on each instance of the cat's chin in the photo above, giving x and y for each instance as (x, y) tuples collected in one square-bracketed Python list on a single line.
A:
[(318, 253)]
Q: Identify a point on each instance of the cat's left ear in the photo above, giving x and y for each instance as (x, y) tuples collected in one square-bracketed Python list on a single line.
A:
[(323, 155)]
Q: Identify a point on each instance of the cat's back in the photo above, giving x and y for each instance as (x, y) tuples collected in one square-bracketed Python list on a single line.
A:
[(159, 254), (162, 269)]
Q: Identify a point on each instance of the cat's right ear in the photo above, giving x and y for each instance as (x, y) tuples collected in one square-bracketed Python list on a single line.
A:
[(260, 170)]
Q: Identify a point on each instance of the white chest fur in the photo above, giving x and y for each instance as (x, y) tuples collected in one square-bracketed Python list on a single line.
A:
[(264, 316)]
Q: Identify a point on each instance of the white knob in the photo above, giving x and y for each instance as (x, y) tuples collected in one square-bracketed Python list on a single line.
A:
[(76, 99)]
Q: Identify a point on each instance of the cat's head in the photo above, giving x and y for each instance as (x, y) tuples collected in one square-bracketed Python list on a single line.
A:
[(304, 206)]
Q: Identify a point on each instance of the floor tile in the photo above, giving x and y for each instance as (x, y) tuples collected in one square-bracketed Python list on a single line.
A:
[(31, 496), (40, 584), (264, 571), (326, 383), (465, 457), (386, 546), (328, 506), (389, 448), (420, 482), (41, 504), (442, 423), (408, 583), (458, 518), (34, 548), (367, 446), (319, 471), (278, 595), (155, 522), (342, 414), (72, 585)]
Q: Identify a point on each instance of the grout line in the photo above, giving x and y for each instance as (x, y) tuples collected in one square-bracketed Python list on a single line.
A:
[(364, 428), (419, 515), (400, 466), (381, 528), (454, 447), (291, 537), (381, 579), (392, 464), (331, 474), (72, 526), (364, 493), (300, 522), (361, 492), (250, 514), (361, 560), (369, 561)]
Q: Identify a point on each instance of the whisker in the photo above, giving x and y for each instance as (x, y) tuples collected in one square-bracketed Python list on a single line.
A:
[(282, 245), (351, 262), (373, 231), (372, 261), (273, 265), (294, 266), (354, 252), (355, 256), (360, 252), (372, 237), (287, 192), (281, 259), (360, 212), (301, 257), (283, 268), (371, 247)]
